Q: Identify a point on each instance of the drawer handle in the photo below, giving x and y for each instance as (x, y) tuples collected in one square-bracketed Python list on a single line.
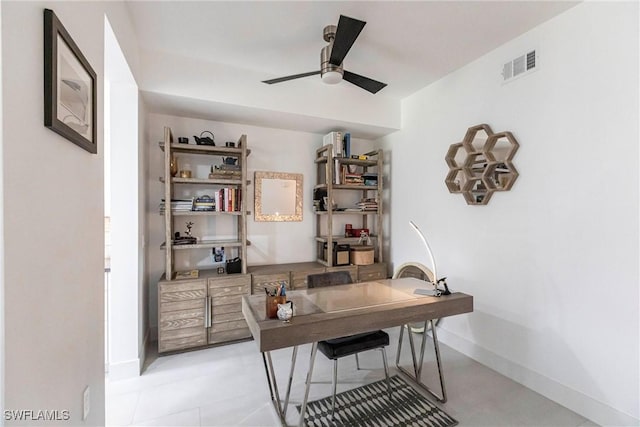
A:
[(207, 312)]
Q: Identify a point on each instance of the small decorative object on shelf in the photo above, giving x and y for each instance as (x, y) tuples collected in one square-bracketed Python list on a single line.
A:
[(173, 166), (204, 140), (234, 266), (185, 240), (189, 274), (183, 140)]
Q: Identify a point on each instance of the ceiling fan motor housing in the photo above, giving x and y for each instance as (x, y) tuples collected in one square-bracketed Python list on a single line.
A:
[(329, 72)]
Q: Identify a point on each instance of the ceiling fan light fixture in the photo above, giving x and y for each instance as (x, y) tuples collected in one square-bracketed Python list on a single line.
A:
[(332, 77)]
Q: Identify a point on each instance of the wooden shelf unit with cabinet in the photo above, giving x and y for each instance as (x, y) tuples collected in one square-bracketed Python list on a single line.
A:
[(294, 275), (326, 163), (205, 310)]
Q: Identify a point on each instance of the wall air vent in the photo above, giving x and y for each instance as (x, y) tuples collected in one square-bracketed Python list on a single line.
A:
[(520, 66)]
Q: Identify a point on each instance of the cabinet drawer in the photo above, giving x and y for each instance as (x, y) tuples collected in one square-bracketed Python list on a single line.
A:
[(269, 281), (183, 333), (182, 343), (171, 292), (226, 317), (181, 305), (225, 309), (372, 272), (231, 289), (299, 278), (230, 280), (227, 299), (232, 335), (227, 326), (182, 319)]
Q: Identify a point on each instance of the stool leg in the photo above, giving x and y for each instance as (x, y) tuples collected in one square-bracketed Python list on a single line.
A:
[(357, 362), (334, 383), (386, 369)]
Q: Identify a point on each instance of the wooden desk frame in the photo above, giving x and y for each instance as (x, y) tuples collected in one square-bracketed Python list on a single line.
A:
[(311, 323)]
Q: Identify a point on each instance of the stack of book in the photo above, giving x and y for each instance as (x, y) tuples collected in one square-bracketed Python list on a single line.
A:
[(353, 179), (368, 205), (204, 203), (228, 200), (225, 171), (177, 205)]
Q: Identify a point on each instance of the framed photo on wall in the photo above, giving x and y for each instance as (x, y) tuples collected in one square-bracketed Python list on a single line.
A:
[(69, 87)]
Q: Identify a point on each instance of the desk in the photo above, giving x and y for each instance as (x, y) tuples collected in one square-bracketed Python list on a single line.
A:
[(336, 311)]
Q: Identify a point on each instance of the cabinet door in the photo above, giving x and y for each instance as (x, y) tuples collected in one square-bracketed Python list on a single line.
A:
[(227, 322), (370, 272), (269, 281), (182, 315)]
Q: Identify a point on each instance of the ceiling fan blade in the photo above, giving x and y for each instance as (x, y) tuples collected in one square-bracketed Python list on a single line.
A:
[(346, 34), (365, 83), (295, 76)]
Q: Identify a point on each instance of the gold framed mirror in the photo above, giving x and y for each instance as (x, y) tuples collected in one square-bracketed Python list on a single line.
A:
[(278, 196)]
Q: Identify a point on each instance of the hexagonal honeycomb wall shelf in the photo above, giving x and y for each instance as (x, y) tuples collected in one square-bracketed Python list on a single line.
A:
[(481, 164)]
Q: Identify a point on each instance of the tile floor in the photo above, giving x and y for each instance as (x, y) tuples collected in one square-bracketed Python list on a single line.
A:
[(226, 386)]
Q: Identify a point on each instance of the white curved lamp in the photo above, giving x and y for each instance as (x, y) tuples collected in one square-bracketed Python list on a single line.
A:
[(435, 290)]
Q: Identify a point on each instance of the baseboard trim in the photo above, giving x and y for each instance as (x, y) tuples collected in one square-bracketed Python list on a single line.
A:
[(124, 370), (594, 410)]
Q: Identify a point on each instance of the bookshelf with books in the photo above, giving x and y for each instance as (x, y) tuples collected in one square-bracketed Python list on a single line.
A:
[(357, 175), (201, 305)]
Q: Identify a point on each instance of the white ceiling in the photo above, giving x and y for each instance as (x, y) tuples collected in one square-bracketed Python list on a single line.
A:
[(407, 45)]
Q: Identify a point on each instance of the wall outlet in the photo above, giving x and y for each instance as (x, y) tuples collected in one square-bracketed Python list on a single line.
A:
[(86, 403)]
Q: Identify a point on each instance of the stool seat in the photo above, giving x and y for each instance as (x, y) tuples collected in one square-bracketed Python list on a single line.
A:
[(352, 344)]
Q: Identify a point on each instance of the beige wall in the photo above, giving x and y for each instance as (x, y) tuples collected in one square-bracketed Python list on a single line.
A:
[(53, 217)]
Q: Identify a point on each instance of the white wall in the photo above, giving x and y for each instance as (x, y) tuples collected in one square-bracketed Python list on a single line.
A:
[(1, 237), (53, 221), (274, 150), (552, 264)]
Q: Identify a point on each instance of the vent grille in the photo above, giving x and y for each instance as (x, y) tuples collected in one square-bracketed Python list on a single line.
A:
[(519, 66)]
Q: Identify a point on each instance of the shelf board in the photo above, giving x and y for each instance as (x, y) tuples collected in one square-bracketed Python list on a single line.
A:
[(204, 149), (347, 161), (207, 244), (204, 213), (347, 212), (177, 180), (347, 187), (341, 239)]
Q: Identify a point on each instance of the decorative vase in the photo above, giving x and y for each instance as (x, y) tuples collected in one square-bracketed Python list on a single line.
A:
[(173, 166)]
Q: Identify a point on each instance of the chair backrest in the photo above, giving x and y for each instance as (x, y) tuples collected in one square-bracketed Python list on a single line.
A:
[(414, 269), (331, 278)]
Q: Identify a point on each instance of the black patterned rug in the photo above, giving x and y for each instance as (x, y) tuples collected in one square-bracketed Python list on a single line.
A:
[(370, 405)]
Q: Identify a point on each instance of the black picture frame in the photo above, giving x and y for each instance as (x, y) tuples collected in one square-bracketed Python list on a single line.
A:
[(70, 87)]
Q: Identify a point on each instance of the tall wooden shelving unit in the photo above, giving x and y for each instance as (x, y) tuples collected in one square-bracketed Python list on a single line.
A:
[(205, 310), (326, 165)]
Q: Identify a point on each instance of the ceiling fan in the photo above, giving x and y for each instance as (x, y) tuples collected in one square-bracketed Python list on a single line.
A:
[(340, 39)]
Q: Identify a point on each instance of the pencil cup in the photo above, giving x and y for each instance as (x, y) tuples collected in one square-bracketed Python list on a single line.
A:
[(272, 305)]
